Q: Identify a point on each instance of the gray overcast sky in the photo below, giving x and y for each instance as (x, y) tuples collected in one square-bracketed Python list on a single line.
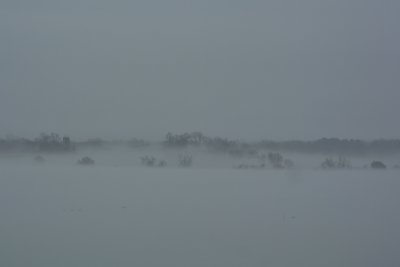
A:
[(252, 69)]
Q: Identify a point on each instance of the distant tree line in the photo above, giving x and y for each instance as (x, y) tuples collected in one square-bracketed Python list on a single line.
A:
[(323, 146), (336, 146), (198, 139), (341, 146), (329, 146), (44, 143), (339, 163), (96, 143)]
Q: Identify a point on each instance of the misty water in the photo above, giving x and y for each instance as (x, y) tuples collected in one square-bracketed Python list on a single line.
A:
[(144, 87), (61, 214)]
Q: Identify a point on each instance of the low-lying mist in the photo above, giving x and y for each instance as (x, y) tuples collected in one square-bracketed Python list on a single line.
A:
[(212, 202), (195, 150)]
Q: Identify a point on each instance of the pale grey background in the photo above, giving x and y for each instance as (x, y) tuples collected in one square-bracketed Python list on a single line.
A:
[(243, 69)]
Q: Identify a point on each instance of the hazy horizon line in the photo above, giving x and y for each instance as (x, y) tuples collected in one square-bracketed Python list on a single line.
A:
[(243, 140)]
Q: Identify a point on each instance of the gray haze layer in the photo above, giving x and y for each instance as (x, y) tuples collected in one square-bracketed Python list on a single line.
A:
[(63, 215), (243, 69)]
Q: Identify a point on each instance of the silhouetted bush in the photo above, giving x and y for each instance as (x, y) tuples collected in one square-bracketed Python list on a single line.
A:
[(276, 160), (262, 158), (53, 143), (149, 161), (340, 163), (162, 163), (343, 163), (185, 160), (328, 164), (378, 165)]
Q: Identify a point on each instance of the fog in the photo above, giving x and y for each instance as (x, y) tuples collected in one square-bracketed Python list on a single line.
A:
[(175, 120), (222, 209), (61, 214), (250, 69)]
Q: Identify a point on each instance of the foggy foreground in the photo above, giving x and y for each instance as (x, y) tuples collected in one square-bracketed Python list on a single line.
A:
[(120, 213)]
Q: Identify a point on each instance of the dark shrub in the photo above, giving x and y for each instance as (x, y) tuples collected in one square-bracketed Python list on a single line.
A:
[(262, 158), (149, 161), (185, 160), (276, 160), (340, 163), (328, 164), (343, 163), (162, 163), (378, 165)]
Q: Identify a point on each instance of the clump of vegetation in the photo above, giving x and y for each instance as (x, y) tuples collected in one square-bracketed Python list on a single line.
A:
[(53, 143), (378, 165), (276, 160), (328, 163), (343, 163), (340, 163), (151, 161), (185, 160), (262, 160), (162, 163), (86, 161), (39, 159)]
